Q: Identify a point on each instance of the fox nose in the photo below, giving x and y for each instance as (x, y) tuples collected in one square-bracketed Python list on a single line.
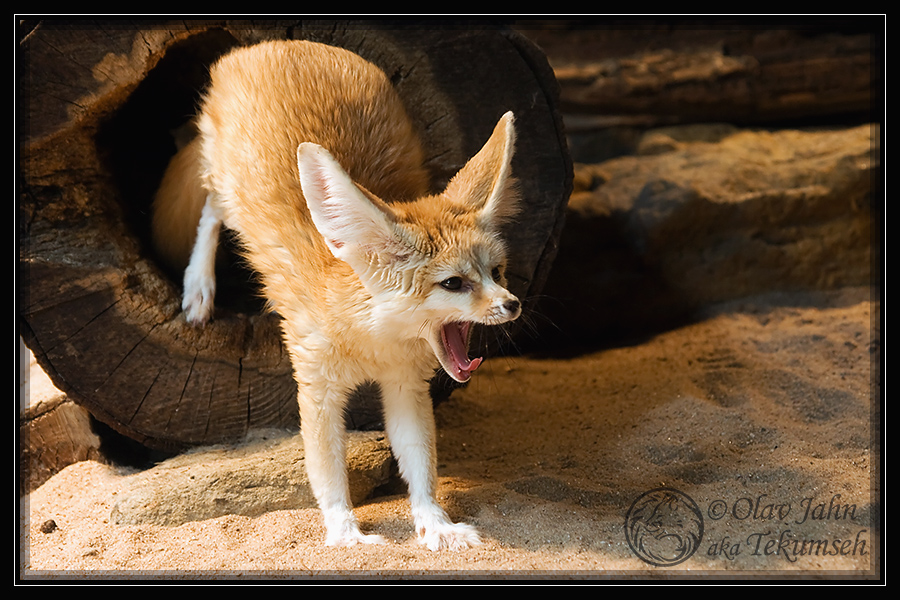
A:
[(512, 306)]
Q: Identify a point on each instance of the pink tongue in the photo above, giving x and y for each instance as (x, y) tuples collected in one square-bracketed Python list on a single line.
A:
[(454, 336)]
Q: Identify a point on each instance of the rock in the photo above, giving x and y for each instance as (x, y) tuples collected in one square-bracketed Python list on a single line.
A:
[(263, 474), (49, 526), (709, 213)]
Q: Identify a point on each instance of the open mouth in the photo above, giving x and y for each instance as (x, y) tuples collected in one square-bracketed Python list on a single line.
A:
[(455, 358)]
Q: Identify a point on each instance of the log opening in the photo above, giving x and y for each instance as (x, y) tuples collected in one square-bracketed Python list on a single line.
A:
[(137, 143)]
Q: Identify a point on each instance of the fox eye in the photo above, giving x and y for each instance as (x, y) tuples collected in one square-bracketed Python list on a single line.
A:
[(454, 284), (496, 274)]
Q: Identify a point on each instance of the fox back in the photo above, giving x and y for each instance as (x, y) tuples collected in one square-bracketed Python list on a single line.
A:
[(285, 94)]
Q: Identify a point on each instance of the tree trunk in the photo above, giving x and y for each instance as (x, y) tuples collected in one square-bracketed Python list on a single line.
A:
[(98, 103)]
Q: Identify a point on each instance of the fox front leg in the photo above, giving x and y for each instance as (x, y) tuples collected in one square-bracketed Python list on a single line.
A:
[(325, 449), (409, 421)]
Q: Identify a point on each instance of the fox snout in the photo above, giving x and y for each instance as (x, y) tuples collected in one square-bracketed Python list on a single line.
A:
[(504, 309)]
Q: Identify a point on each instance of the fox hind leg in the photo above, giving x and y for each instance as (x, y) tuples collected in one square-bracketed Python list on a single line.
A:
[(200, 274)]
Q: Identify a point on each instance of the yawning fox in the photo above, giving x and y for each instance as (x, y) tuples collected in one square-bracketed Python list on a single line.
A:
[(307, 153)]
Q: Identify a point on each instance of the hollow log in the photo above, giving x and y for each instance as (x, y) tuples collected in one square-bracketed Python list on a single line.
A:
[(98, 104)]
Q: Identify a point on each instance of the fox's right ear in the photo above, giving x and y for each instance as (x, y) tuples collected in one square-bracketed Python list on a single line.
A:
[(486, 183), (351, 222)]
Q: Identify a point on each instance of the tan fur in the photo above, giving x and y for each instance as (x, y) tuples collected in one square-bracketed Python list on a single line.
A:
[(307, 153), (179, 202)]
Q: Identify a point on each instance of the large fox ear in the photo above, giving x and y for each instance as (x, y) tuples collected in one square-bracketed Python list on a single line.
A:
[(485, 183), (351, 221)]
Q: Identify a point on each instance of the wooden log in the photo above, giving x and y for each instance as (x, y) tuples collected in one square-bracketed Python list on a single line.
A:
[(98, 104), (736, 70), (54, 432)]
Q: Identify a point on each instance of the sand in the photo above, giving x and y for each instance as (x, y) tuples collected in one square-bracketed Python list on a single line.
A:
[(757, 416)]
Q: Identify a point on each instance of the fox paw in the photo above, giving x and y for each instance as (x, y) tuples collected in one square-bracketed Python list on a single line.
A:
[(199, 293), (449, 536), (343, 530), (350, 536)]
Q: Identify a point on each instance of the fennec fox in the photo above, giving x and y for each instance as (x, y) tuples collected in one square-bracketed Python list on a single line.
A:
[(307, 153)]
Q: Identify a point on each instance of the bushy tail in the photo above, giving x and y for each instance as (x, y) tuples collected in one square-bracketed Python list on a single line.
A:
[(177, 207)]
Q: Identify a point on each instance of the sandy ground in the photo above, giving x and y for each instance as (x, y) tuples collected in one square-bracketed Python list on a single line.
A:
[(757, 415)]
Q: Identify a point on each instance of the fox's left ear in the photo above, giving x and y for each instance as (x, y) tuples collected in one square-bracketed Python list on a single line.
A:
[(486, 183)]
